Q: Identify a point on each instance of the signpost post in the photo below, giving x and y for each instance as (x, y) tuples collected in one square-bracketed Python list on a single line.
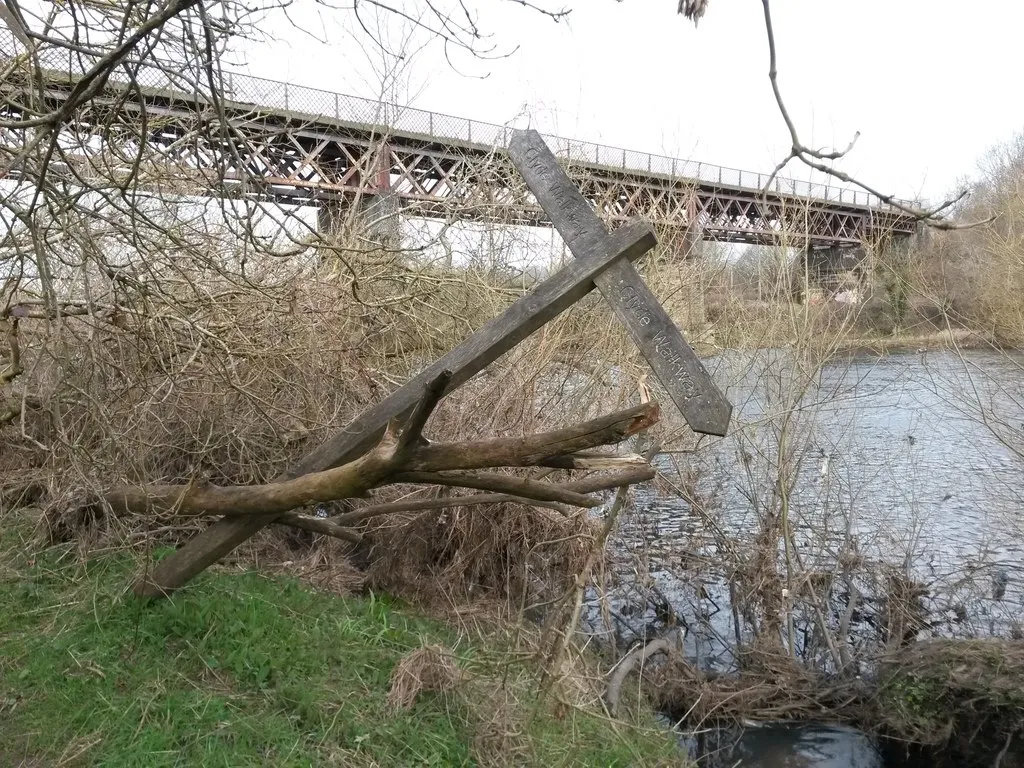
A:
[(601, 258)]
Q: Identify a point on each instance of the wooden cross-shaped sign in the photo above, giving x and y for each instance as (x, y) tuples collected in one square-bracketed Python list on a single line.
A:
[(602, 258), (673, 360)]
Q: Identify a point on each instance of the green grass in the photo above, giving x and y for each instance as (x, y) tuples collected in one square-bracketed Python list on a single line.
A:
[(249, 671)]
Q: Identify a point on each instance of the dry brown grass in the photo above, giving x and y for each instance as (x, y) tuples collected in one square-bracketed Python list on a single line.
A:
[(214, 369), (430, 668), (499, 551), (771, 686)]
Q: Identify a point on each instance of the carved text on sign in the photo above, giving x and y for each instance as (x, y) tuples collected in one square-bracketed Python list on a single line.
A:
[(634, 302), (673, 361), (677, 365), (564, 197)]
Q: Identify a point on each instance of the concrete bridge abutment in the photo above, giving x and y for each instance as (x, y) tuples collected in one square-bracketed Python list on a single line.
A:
[(676, 266), (830, 269), (372, 219)]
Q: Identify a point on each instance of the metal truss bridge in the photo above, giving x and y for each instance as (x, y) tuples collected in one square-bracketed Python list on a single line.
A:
[(299, 145)]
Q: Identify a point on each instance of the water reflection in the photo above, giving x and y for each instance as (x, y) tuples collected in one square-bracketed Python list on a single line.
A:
[(895, 461), (782, 745)]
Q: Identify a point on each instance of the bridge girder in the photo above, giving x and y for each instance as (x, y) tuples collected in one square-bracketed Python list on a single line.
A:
[(293, 158)]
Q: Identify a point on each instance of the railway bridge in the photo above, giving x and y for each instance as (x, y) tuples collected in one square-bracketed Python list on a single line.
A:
[(298, 145)]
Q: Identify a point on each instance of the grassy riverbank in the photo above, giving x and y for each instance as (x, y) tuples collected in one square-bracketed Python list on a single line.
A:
[(251, 670), (915, 342)]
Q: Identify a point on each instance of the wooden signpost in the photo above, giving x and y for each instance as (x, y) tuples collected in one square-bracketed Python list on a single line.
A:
[(602, 258), (673, 361)]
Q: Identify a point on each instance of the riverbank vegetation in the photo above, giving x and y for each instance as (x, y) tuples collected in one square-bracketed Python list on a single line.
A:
[(977, 274), (231, 379), (152, 337)]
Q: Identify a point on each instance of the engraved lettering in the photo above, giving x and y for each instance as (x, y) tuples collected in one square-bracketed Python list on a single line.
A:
[(633, 301), (663, 345), (562, 193)]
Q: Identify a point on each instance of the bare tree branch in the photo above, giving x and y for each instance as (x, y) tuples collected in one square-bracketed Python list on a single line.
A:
[(491, 481), (586, 485), (813, 158), (389, 462), (434, 391), (319, 525), (816, 158)]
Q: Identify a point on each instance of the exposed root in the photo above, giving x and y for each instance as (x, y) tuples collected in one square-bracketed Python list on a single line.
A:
[(638, 655)]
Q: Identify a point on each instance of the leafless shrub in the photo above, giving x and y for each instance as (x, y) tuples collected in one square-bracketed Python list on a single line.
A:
[(153, 334), (496, 552)]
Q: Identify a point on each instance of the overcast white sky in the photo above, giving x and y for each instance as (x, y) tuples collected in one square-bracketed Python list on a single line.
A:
[(930, 84)]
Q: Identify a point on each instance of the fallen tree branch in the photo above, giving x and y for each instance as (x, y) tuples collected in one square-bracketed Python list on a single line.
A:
[(346, 481), (534, 450), (491, 481), (593, 460), (432, 394), (319, 525), (387, 463), (586, 485), (400, 457), (425, 505)]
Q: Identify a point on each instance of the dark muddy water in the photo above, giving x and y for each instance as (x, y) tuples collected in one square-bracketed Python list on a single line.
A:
[(779, 745), (894, 459)]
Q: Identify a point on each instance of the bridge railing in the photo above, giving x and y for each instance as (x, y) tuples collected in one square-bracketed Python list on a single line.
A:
[(279, 95)]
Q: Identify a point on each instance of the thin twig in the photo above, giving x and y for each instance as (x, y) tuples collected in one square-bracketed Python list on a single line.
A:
[(319, 525), (491, 481), (445, 502), (812, 158)]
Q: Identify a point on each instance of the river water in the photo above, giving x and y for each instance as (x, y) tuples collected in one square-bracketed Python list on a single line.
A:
[(896, 459)]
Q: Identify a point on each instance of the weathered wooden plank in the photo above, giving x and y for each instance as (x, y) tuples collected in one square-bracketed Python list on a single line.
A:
[(556, 294), (673, 361)]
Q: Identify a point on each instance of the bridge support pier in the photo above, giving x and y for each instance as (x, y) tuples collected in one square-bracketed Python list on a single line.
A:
[(922, 236), (690, 251), (829, 268), (374, 221), (679, 243), (690, 242), (677, 260)]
